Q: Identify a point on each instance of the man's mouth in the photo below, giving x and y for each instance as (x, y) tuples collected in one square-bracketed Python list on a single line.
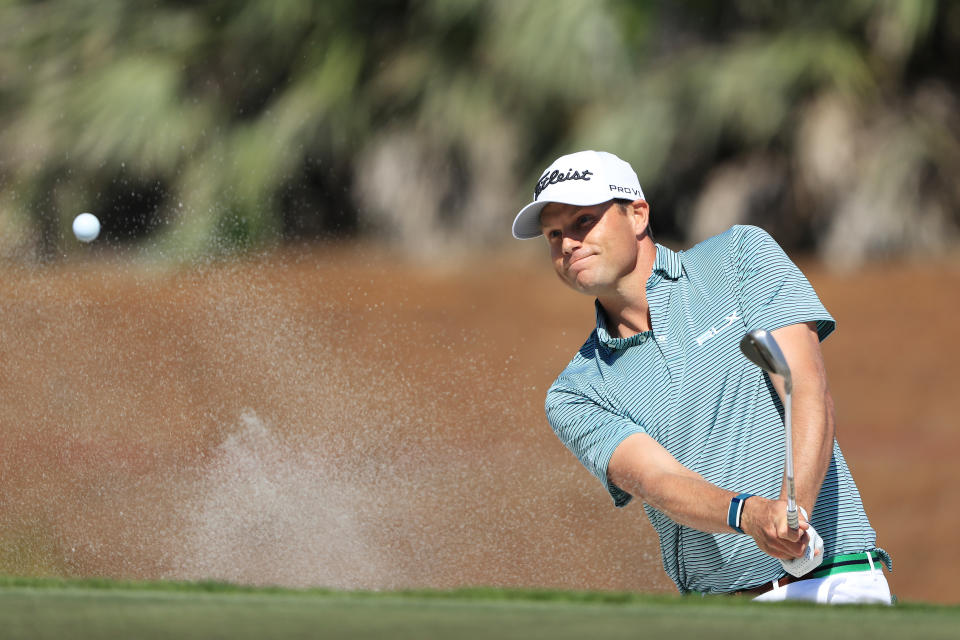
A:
[(576, 259)]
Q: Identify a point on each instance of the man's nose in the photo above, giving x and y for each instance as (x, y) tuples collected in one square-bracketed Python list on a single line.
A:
[(568, 245)]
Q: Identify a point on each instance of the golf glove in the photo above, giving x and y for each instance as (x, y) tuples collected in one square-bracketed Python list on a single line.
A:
[(812, 555)]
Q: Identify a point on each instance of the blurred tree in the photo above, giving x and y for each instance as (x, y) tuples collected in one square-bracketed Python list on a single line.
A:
[(211, 128)]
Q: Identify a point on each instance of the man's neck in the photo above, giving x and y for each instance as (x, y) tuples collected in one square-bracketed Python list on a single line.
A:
[(626, 308)]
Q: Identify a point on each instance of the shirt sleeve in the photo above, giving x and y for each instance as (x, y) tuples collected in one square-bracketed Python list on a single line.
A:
[(590, 431), (773, 291)]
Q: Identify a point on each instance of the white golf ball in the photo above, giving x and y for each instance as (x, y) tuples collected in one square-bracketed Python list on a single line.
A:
[(86, 227)]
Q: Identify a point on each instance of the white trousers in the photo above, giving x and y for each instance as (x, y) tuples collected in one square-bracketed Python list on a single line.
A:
[(855, 587)]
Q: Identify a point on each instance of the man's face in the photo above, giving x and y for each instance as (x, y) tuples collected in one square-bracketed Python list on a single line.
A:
[(592, 247)]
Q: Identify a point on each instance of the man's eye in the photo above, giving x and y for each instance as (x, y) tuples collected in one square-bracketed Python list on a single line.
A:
[(583, 220), (553, 234)]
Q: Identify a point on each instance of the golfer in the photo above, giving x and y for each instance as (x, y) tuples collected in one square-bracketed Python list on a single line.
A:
[(660, 404)]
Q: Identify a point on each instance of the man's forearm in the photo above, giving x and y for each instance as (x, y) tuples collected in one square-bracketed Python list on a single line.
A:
[(692, 502), (813, 434), (813, 425), (644, 469)]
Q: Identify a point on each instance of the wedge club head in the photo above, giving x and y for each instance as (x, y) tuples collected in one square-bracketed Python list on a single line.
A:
[(761, 348)]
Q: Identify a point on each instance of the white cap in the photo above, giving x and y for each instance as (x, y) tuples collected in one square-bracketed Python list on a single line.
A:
[(584, 178)]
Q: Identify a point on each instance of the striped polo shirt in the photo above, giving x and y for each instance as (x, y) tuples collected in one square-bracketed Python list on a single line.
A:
[(686, 384)]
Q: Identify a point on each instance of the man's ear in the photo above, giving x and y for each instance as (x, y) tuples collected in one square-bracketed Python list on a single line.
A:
[(640, 211)]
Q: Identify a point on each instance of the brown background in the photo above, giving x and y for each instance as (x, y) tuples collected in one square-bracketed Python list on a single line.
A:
[(347, 419)]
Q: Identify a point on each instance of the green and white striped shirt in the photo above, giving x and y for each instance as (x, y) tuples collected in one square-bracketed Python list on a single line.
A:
[(686, 384)]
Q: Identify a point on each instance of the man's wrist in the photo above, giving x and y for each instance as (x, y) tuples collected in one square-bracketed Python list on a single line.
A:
[(735, 511)]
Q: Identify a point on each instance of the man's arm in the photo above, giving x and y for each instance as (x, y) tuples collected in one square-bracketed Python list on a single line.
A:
[(813, 421), (642, 467)]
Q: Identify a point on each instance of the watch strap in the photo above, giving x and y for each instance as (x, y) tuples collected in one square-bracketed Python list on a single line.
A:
[(735, 512)]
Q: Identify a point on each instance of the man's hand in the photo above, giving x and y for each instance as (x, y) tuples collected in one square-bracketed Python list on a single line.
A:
[(766, 522)]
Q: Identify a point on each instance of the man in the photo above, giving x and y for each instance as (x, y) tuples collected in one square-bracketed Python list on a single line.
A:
[(659, 403)]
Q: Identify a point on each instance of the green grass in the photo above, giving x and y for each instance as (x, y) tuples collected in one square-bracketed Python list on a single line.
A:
[(51, 608)]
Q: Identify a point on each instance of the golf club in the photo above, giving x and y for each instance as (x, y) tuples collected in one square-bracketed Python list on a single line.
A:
[(761, 348)]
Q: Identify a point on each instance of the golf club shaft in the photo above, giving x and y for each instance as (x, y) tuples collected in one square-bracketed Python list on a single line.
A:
[(761, 348), (792, 520)]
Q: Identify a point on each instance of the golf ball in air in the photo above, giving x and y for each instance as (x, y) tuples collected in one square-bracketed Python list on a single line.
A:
[(86, 227)]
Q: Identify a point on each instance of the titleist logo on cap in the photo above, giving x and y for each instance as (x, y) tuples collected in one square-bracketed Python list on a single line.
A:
[(556, 176)]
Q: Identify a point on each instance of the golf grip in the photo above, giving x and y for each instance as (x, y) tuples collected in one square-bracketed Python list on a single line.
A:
[(792, 520)]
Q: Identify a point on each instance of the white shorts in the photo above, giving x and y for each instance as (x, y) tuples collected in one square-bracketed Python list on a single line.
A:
[(855, 587)]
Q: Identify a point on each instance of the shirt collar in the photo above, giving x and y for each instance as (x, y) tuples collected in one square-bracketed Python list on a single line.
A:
[(666, 265)]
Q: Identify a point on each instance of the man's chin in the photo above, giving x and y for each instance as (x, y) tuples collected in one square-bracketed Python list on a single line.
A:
[(581, 281), (584, 284)]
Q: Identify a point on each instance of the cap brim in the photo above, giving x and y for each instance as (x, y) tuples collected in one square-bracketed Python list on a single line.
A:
[(527, 223)]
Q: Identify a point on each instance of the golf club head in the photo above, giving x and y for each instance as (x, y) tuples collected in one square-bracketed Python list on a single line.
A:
[(761, 348)]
